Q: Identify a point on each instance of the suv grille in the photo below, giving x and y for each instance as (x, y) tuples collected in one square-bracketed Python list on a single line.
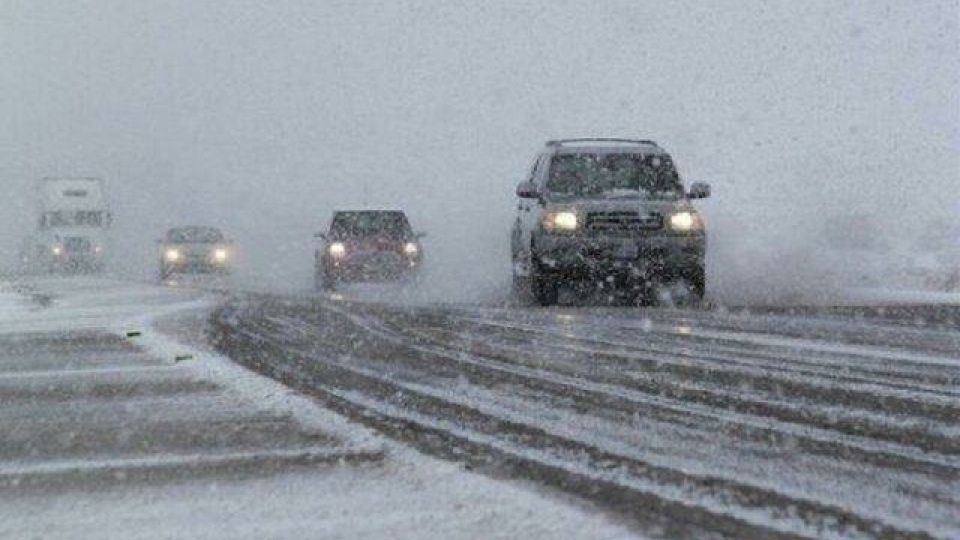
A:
[(623, 222)]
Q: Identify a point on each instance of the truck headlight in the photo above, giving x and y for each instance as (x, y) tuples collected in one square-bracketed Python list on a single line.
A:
[(561, 221), (337, 249), (221, 255), (686, 221), (172, 255)]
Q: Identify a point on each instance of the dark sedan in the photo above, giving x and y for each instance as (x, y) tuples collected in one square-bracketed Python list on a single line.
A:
[(195, 250), (368, 245)]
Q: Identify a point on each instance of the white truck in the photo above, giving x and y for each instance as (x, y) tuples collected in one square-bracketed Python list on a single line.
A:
[(72, 232)]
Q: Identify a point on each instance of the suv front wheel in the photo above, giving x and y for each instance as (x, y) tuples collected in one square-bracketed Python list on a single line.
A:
[(531, 282), (699, 280), (544, 287), (324, 282), (685, 289)]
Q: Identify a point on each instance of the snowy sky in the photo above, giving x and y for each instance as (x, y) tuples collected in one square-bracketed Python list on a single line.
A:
[(263, 116)]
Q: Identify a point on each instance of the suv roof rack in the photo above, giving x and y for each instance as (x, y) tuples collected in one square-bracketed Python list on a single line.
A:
[(561, 142)]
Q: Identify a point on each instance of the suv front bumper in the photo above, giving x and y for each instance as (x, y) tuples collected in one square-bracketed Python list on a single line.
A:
[(592, 256)]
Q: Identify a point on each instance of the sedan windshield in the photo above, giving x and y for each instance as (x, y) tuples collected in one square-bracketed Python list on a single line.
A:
[(614, 175), (195, 235), (363, 224)]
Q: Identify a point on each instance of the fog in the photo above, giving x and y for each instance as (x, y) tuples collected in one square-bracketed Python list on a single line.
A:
[(262, 117)]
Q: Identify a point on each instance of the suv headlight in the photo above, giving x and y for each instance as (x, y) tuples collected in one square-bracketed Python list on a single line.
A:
[(686, 221), (221, 255), (337, 249), (564, 220), (172, 255)]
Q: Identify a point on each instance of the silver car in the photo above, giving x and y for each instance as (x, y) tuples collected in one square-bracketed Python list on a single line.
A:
[(608, 213), (195, 250)]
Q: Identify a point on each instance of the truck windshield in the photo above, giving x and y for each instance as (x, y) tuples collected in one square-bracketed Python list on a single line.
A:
[(82, 218), (614, 175), (361, 224)]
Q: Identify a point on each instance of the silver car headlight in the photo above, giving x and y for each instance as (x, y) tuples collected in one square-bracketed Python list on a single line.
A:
[(686, 221)]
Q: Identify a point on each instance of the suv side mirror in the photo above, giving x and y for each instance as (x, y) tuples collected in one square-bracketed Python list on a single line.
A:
[(699, 190), (528, 190)]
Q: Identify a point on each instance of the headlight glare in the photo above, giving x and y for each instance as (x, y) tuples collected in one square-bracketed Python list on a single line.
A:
[(221, 255), (411, 249), (561, 221), (685, 221), (337, 249), (172, 255)]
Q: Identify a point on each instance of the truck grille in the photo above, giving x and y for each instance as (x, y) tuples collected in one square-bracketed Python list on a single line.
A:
[(76, 245), (622, 222)]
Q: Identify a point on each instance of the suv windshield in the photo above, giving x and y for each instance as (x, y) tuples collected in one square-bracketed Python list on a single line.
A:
[(392, 224), (614, 175), (194, 236)]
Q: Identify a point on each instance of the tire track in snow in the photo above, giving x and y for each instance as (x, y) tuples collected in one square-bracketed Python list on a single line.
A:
[(441, 408)]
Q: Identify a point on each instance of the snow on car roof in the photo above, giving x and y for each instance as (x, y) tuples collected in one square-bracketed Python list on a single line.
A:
[(194, 228), (611, 150), (368, 209), (601, 146)]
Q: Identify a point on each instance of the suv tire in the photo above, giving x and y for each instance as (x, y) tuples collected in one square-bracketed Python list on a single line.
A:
[(698, 282), (545, 289), (326, 282)]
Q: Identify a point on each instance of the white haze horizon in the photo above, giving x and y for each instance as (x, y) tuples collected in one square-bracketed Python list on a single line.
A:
[(262, 118)]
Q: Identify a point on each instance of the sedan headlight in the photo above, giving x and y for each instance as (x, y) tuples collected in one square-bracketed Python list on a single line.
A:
[(561, 221), (172, 255), (686, 221), (337, 249)]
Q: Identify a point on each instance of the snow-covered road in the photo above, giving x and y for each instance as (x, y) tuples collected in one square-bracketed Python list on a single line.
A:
[(119, 422), (763, 426)]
